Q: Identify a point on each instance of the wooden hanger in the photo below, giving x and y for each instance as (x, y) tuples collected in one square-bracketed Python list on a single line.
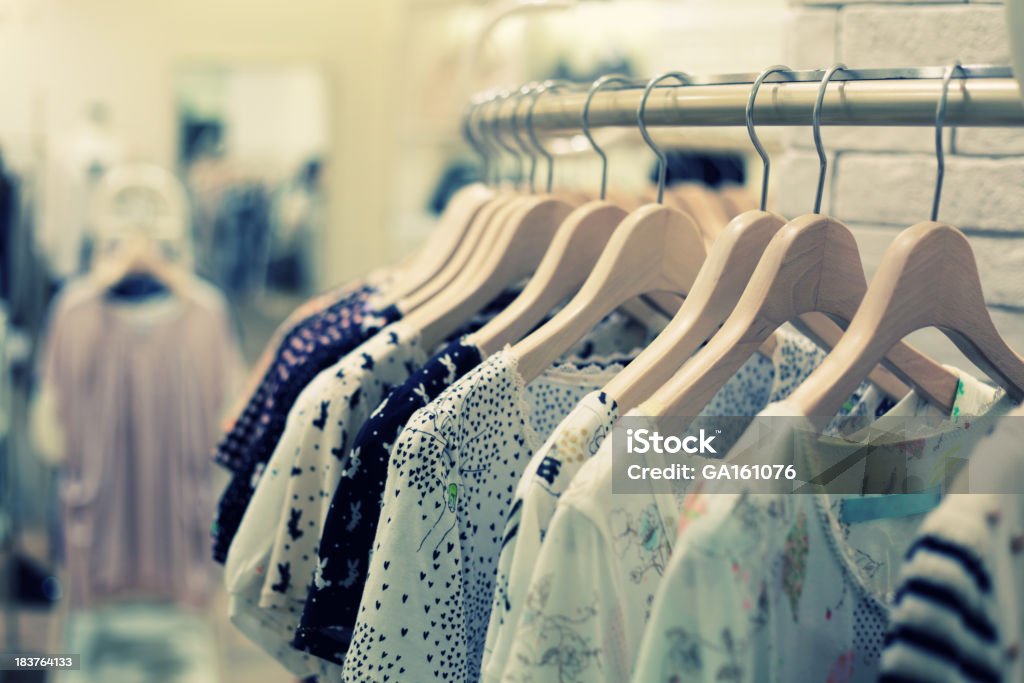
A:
[(444, 240), (514, 253), (570, 258), (485, 228), (928, 277), (138, 253), (811, 265), (715, 291), (655, 248), (452, 228)]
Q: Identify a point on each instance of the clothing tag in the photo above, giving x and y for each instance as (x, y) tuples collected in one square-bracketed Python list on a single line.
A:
[(855, 510)]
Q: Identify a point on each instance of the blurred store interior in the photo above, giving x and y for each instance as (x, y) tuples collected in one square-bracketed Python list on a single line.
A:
[(281, 148), (182, 180)]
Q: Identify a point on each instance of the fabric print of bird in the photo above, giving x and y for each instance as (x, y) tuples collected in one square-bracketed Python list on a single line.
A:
[(640, 540), (449, 432)]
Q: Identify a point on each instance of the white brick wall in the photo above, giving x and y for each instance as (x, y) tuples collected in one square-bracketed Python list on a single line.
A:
[(882, 179)]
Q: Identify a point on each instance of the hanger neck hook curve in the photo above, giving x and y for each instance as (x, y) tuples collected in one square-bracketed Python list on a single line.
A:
[(539, 91), (471, 138), (487, 135), (517, 175), (749, 115), (816, 130), (641, 122), (940, 117), (620, 80), (525, 91)]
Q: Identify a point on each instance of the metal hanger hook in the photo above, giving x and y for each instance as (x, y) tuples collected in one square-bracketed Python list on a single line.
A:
[(526, 91), (749, 113), (503, 96), (546, 86), (940, 117), (600, 83), (487, 139), (641, 112), (816, 130), (473, 140)]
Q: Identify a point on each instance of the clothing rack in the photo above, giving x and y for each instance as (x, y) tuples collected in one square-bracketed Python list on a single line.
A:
[(980, 95)]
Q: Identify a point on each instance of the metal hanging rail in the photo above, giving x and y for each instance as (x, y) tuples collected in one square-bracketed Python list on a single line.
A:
[(988, 97)]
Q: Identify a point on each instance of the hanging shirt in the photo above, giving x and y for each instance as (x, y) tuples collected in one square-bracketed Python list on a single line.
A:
[(137, 392), (268, 575), (770, 587), (589, 595), (312, 346), (578, 438), (427, 598), (958, 613), (303, 314), (333, 603), (277, 555), (333, 599)]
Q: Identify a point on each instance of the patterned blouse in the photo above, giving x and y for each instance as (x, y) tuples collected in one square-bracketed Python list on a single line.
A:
[(311, 346)]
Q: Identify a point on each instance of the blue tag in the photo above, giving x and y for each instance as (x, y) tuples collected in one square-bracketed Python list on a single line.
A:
[(854, 510)]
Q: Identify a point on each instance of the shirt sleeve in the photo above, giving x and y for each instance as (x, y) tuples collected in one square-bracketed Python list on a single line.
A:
[(944, 620), (248, 558), (571, 626), (321, 453)]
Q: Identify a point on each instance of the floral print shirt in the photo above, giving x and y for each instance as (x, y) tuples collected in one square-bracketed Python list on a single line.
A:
[(780, 587), (578, 438), (603, 556)]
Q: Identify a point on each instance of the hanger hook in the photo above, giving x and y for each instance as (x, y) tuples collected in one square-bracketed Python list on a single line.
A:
[(546, 86), (491, 171), (472, 140), (940, 117), (623, 81), (749, 113), (641, 112), (487, 137), (816, 129), (525, 91), (502, 98)]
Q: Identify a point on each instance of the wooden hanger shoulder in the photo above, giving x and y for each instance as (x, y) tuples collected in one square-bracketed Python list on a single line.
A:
[(573, 252), (512, 256), (485, 224), (444, 240), (811, 265), (927, 278), (655, 248), (716, 290)]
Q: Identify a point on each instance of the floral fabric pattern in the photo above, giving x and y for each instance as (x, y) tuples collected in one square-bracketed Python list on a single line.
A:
[(593, 585), (769, 587)]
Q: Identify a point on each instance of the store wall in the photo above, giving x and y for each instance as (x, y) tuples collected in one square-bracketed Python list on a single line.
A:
[(60, 55), (882, 179)]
